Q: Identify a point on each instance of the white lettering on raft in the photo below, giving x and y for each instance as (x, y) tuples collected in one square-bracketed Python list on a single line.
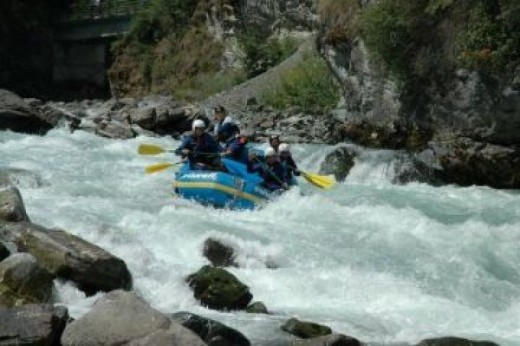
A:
[(200, 176)]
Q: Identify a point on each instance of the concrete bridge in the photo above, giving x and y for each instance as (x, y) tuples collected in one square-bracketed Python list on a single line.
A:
[(83, 37)]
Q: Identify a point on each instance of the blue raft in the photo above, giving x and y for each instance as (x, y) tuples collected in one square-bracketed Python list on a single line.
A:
[(237, 189)]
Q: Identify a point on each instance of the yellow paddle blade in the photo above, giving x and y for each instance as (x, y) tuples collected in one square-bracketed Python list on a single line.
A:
[(321, 181), (150, 149), (158, 167)]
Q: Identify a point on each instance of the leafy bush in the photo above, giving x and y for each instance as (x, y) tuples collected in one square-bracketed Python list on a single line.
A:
[(491, 42), (262, 53), (308, 85)]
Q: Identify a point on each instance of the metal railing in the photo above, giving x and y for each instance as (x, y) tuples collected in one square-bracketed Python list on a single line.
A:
[(96, 9)]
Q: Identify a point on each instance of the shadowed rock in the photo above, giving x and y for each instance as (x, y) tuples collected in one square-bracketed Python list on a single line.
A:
[(219, 254), (11, 206), (218, 289), (257, 308), (305, 330), (328, 340), (454, 341), (339, 163), (24, 281), (32, 325), (212, 332), (16, 115), (67, 256)]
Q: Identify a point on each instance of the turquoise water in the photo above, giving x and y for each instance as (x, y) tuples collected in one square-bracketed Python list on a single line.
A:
[(381, 262)]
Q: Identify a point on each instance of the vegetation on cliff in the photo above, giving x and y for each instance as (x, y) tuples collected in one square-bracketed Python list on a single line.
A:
[(425, 39), (170, 49)]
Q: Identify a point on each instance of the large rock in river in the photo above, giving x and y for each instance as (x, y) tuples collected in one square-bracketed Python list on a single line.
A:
[(70, 257), (24, 281), (32, 325), (11, 206), (16, 115), (122, 318)]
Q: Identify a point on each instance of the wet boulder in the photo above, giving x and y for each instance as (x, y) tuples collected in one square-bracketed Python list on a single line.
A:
[(4, 251), (19, 177), (114, 129), (219, 254), (11, 206), (69, 257), (454, 341), (144, 117), (16, 115), (257, 308), (339, 162), (122, 318), (40, 324), (218, 289), (212, 332), (24, 281), (329, 340), (304, 329)]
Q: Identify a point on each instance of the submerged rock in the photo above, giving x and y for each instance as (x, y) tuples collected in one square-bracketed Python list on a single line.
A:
[(219, 254), (304, 329), (212, 332), (329, 340), (19, 177), (454, 341), (257, 308), (218, 289), (339, 163)]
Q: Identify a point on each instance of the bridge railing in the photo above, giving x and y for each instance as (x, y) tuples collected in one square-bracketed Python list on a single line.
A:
[(95, 9)]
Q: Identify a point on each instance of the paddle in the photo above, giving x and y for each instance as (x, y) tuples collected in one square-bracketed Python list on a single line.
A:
[(271, 173), (321, 181), (158, 167), (151, 149)]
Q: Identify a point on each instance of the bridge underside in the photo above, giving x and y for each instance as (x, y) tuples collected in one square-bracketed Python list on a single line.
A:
[(81, 51)]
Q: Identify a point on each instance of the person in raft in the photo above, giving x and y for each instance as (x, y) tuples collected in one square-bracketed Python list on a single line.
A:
[(237, 149), (289, 166), (202, 151), (225, 128), (271, 171)]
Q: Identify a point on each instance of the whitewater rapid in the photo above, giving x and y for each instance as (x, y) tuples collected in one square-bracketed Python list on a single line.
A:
[(380, 262)]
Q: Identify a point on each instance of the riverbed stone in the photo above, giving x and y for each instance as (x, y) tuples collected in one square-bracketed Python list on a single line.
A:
[(115, 319), (218, 289), (11, 205), (305, 329), (454, 341), (16, 115), (33, 324), (328, 340), (218, 253), (69, 257), (212, 332), (339, 162), (24, 281)]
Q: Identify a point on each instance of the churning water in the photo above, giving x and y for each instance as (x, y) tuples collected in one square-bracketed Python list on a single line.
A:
[(381, 262)]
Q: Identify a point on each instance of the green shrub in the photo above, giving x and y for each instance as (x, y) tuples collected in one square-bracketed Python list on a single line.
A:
[(263, 53), (308, 85)]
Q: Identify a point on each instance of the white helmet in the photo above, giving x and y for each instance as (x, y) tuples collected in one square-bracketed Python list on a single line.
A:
[(198, 124), (284, 147), (270, 152)]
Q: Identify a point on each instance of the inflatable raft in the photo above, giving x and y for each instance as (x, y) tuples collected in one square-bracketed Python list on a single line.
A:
[(235, 189)]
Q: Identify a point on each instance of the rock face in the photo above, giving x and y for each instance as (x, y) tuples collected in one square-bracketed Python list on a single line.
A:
[(473, 116), (16, 115), (218, 289), (24, 281), (32, 325), (11, 206), (121, 318), (69, 257)]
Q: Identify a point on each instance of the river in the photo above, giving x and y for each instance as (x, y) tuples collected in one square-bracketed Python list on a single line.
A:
[(381, 262)]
